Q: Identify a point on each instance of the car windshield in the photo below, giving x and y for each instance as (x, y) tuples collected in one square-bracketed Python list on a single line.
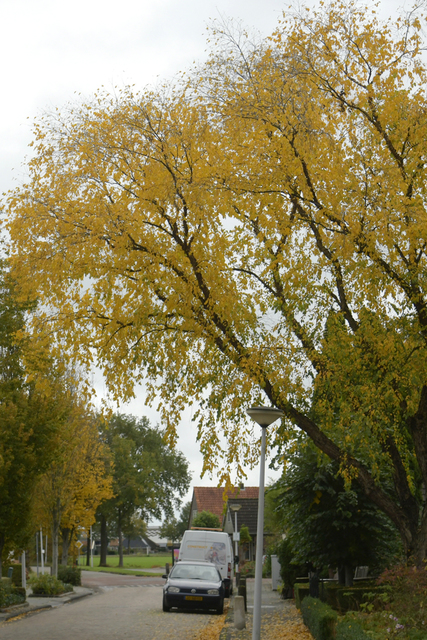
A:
[(195, 572)]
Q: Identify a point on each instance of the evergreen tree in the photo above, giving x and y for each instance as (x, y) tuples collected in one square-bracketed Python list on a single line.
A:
[(329, 524)]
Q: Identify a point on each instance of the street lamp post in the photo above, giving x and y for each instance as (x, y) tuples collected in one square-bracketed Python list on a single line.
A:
[(264, 416), (236, 508)]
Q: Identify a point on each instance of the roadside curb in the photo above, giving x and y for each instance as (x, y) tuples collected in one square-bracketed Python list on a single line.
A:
[(50, 602), (19, 610)]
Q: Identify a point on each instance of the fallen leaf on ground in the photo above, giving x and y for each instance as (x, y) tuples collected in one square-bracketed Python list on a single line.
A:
[(280, 625), (214, 627)]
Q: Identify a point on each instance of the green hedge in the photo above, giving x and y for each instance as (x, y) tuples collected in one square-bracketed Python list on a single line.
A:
[(301, 590), (319, 617), (16, 575), (340, 598), (321, 620), (71, 575), (350, 631), (344, 599)]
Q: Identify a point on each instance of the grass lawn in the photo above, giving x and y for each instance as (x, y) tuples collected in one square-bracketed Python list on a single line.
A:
[(131, 563)]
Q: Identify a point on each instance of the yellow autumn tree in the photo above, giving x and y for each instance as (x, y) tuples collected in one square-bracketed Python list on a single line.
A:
[(258, 234), (76, 482)]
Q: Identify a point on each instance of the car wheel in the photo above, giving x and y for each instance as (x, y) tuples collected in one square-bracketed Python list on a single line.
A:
[(165, 606), (220, 609)]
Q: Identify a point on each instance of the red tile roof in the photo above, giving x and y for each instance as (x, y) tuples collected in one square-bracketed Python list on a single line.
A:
[(212, 498)]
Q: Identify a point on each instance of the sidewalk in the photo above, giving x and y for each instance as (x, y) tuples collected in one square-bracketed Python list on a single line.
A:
[(37, 603), (280, 620)]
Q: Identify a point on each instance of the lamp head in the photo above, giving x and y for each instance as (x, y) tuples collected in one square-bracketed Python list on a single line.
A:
[(264, 416)]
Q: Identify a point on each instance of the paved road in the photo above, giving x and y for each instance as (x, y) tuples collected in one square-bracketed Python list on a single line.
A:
[(97, 580), (122, 608)]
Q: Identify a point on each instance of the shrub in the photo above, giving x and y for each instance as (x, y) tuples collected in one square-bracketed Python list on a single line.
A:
[(406, 600), (248, 569), (350, 630), (70, 575), (16, 575), (206, 519), (46, 585), (319, 617), (9, 595)]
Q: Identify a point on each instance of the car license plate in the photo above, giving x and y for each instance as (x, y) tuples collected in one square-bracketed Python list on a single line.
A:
[(198, 598)]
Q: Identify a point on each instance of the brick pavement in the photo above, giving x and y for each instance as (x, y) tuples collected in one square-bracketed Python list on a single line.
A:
[(98, 617), (277, 615), (131, 612)]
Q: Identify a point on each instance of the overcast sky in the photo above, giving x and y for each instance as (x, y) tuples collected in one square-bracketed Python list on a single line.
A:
[(51, 51)]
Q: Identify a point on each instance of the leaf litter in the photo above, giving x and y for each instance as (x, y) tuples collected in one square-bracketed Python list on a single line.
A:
[(286, 624)]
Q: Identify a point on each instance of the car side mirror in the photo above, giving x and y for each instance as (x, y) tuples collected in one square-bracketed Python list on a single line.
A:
[(165, 576)]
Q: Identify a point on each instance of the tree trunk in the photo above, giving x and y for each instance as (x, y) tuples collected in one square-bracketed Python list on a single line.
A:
[(88, 548), (104, 542), (314, 584), (349, 572), (418, 550), (66, 537), (120, 540), (1, 554), (345, 575), (55, 541)]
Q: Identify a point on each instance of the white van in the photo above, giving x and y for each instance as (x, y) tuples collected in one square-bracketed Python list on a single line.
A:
[(208, 545)]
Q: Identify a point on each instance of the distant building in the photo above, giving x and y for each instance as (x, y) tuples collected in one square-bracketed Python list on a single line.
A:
[(247, 515), (151, 542), (155, 540), (212, 499), (137, 545)]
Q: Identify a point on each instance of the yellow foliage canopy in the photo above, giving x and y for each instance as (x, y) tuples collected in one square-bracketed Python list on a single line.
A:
[(259, 232), (79, 478)]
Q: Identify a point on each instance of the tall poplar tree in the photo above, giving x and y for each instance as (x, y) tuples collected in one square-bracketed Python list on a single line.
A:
[(76, 481), (28, 422)]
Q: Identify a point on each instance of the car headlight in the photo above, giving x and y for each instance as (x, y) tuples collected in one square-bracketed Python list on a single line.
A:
[(213, 592), (173, 589)]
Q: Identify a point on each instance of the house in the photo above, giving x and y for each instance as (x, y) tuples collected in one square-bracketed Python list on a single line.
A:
[(137, 545), (246, 515), (212, 499), (150, 542), (154, 539)]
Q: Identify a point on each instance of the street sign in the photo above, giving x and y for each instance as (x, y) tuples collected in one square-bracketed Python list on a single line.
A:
[(79, 544)]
